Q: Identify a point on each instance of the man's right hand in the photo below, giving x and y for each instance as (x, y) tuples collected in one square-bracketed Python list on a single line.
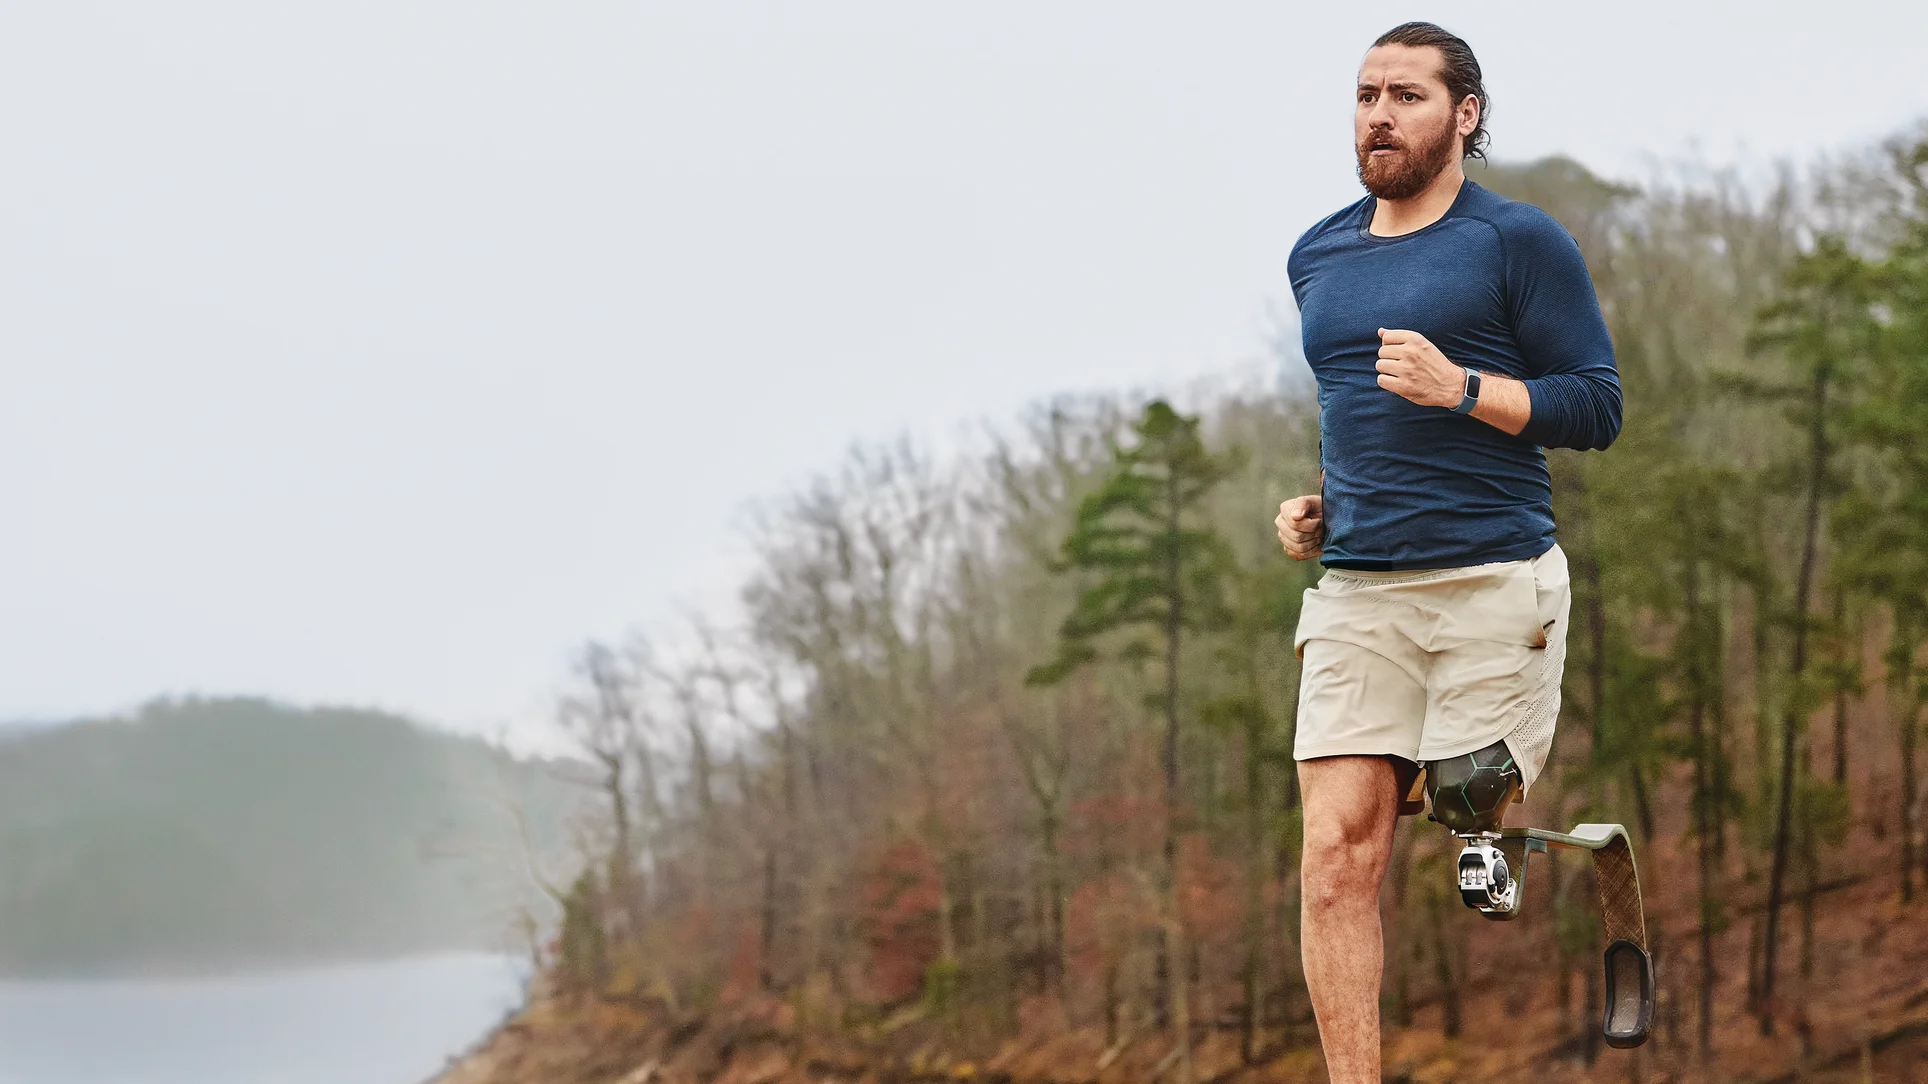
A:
[(1301, 525)]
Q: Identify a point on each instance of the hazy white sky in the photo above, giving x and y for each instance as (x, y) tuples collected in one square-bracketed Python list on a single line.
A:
[(379, 353)]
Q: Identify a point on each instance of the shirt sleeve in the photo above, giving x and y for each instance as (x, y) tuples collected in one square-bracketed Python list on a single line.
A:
[(1575, 387)]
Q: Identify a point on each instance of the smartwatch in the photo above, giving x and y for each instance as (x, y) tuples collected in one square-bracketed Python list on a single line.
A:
[(1471, 399)]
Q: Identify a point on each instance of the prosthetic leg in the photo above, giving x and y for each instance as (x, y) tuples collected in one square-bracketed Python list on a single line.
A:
[(1469, 795)]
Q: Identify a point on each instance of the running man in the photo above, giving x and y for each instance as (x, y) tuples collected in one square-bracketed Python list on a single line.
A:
[(1454, 334)]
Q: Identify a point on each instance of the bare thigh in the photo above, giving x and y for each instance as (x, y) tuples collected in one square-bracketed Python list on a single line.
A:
[(1351, 807)]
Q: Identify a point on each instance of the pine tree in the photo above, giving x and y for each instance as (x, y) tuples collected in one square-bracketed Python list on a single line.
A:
[(1157, 578), (1882, 521), (1822, 324)]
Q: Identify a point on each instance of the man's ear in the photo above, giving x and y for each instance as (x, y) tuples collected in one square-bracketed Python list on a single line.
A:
[(1468, 120)]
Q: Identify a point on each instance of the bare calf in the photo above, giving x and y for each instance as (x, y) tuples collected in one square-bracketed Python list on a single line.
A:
[(1351, 809)]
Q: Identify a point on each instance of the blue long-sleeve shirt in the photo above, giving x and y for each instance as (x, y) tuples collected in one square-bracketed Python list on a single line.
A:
[(1498, 286)]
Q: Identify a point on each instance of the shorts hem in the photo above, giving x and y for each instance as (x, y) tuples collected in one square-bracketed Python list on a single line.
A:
[(1315, 750), (1462, 748), (1469, 745)]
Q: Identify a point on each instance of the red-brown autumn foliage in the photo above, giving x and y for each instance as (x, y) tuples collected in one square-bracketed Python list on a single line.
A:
[(1211, 892), (1112, 827), (898, 921), (745, 962), (1103, 917)]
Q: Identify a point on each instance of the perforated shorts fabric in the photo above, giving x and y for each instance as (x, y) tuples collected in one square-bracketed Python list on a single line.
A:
[(1532, 740), (1431, 665)]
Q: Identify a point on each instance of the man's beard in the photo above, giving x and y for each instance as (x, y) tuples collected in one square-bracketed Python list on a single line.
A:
[(1407, 173)]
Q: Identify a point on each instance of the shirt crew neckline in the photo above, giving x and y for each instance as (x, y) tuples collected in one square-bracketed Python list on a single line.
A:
[(1372, 207)]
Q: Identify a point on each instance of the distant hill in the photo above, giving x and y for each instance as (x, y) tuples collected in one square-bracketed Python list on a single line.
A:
[(204, 835), (14, 728)]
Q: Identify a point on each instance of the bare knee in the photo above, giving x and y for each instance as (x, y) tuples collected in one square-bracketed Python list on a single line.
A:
[(1350, 812), (1341, 869)]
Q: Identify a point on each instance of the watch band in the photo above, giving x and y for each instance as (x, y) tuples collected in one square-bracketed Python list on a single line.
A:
[(1471, 398)]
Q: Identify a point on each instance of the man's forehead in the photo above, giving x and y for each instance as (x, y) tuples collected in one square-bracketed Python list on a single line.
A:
[(1386, 65)]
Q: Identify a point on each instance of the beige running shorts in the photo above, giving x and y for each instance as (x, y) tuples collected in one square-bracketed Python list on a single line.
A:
[(1429, 665)]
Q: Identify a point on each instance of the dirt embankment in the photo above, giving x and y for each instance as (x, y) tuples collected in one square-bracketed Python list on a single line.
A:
[(1860, 1014)]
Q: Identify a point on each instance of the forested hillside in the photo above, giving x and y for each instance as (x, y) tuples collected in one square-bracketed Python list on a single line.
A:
[(1019, 798), (200, 835)]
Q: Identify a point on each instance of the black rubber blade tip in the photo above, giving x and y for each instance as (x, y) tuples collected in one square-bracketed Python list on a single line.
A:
[(1630, 995)]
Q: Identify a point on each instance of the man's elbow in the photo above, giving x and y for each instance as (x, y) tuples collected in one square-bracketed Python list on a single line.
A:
[(1596, 434), (1609, 408), (1578, 412), (1599, 418)]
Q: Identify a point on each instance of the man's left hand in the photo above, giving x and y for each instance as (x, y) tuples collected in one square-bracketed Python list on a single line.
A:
[(1412, 367)]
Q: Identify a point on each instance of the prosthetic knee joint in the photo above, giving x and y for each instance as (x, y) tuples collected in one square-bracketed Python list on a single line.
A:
[(1469, 795)]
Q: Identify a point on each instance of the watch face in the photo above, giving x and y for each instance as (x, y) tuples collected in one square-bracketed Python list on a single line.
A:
[(1471, 395)]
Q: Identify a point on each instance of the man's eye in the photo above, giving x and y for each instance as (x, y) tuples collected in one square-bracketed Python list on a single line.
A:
[(1410, 96)]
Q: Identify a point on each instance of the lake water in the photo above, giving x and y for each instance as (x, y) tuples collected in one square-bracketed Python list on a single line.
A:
[(388, 1023)]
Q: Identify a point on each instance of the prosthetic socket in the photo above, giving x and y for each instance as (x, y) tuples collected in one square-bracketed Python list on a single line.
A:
[(1469, 795)]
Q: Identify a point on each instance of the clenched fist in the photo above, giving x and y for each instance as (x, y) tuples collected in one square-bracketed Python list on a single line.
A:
[(1411, 367), (1301, 525)]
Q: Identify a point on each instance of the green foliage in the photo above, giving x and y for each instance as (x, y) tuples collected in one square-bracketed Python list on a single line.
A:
[(1882, 520), (943, 980), (582, 944), (1825, 811), (1151, 567)]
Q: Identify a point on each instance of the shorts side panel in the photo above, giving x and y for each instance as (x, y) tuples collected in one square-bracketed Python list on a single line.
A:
[(1356, 701), (1482, 691)]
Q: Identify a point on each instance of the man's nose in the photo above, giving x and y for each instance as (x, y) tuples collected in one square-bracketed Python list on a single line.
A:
[(1380, 115)]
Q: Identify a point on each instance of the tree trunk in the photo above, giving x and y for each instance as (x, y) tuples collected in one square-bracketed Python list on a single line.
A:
[(1449, 976), (1594, 1014), (1909, 710), (1054, 901), (1754, 928), (1763, 696), (1400, 941), (1173, 954), (1286, 875), (946, 915), (1717, 703), (1255, 946), (1198, 992), (1842, 662), (1111, 1001), (1809, 861), (767, 951), (1597, 656), (1706, 811), (1792, 723), (980, 916), (1643, 806), (1809, 850)]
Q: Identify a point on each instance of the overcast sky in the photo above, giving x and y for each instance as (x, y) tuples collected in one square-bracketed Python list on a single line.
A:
[(380, 352)]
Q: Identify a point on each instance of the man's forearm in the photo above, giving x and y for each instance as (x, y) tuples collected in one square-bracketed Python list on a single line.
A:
[(1503, 403)]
